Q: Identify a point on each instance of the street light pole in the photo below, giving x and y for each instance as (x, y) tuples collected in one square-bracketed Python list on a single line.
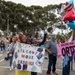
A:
[(7, 24)]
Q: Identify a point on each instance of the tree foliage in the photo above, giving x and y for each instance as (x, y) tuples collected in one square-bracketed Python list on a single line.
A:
[(27, 19)]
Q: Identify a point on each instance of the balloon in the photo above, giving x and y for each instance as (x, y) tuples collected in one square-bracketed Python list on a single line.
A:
[(71, 2), (71, 24), (68, 7), (69, 16)]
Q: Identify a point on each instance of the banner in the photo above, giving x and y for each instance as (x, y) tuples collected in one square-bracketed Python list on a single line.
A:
[(66, 49), (29, 58)]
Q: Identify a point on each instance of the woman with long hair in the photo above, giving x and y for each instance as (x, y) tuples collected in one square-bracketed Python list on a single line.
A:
[(23, 39)]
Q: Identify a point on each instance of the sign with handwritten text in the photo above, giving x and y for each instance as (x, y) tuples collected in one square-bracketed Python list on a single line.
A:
[(66, 49), (29, 58)]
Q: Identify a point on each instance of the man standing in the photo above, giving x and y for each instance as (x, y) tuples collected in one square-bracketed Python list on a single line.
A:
[(52, 53)]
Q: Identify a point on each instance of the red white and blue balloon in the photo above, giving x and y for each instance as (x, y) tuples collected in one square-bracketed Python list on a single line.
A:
[(69, 17)]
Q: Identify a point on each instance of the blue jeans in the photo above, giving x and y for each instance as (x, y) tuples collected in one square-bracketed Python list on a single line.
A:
[(6, 47), (2, 48), (52, 62), (66, 69), (11, 60)]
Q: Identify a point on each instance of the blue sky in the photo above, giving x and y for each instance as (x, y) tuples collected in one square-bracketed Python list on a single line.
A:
[(38, 2)]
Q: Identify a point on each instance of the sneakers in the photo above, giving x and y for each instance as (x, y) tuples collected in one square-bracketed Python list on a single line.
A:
[(55, 73), (11, 68)]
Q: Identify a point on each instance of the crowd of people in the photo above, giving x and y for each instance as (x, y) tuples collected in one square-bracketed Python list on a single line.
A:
[(8, 44)]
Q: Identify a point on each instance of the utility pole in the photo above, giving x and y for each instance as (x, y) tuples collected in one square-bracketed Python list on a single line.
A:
[(7, 24)]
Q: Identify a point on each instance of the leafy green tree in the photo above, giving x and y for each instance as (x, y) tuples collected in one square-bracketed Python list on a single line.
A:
[(28, 19)]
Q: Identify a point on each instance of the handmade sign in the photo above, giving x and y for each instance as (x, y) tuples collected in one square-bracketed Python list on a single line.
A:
[(29, 58), (66, 49)]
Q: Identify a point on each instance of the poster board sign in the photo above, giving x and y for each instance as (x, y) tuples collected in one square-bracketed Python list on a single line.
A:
[(29, 58), (65, 49)]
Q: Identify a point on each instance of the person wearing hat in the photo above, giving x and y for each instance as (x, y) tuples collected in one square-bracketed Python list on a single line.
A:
[(52, 54)]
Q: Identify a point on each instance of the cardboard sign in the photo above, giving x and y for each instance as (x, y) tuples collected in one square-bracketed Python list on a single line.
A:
[(29, 58), (66, 49)]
